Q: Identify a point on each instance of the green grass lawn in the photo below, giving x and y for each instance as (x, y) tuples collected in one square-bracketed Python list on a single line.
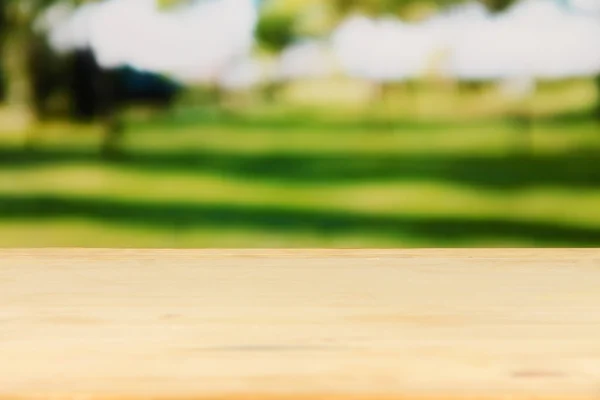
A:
[(275, 179)]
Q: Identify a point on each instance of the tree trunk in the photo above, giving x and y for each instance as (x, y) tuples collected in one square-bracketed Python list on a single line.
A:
[(108, 104), (2, 87), (272, 90), (3, 35), (598, 97), (18, 88), (13, 58)]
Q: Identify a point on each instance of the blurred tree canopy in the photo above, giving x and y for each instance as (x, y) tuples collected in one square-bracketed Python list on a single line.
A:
[(276, 31), (410, 9), (281, 22), (284, 20)]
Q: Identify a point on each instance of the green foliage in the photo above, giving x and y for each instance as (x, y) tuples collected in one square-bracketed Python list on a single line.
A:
[(407, 8), (397, 7), (498, 5), (274, 32), (167, 5)]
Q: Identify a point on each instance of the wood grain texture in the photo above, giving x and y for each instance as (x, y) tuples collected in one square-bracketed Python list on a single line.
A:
[(299, 324)]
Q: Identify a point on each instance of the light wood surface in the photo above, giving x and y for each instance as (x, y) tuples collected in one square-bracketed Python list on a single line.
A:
[(299, 324)]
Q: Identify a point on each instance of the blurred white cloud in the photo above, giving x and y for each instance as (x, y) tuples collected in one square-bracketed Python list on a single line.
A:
[(310, 59), (192, 43), (212, 41), (537, 38), (534, 38), (247, 74)]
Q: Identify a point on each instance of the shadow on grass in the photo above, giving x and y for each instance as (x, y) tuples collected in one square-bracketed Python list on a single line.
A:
[(319, 122), (308, 122), (182, 216), (490, 172)]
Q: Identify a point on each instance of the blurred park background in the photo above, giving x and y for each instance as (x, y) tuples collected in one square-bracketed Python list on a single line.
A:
[(300, 123)]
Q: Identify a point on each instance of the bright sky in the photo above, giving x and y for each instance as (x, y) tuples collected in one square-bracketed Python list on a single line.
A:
[(535, 38), (213, 39)]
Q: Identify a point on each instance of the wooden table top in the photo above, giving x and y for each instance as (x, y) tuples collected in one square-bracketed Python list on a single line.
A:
[(299, 324)]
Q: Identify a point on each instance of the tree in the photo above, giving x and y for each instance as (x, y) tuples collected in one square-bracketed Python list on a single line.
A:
[(409, 9), (275, 32), (17, 42), (36, 75), (3, 24), (25, 53), (597, 79)]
